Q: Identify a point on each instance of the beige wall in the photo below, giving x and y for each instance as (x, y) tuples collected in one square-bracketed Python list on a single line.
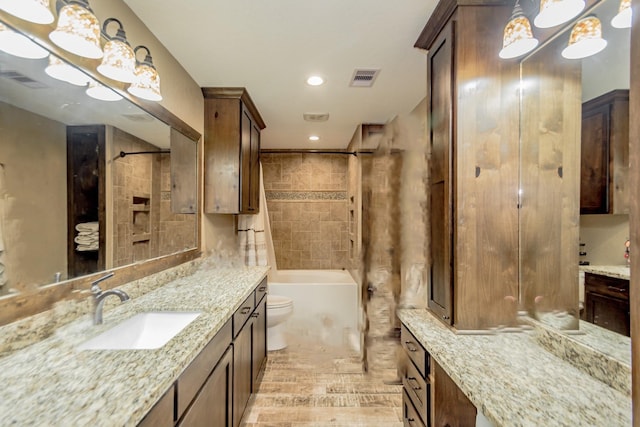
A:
[(604, 237), (307, 203), (35, 244)]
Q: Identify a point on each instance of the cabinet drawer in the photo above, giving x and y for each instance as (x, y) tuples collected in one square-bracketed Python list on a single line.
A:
[(261, 291), (243, 313), (197, 372), (417, 389), (604, 285), (410, 417), (415, 351)]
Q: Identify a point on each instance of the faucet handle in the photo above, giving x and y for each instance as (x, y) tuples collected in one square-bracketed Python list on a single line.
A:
[(95, 287)]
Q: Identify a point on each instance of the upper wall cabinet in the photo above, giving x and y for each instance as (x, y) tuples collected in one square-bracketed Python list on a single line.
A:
[(231, 152), (605, 154), (474, 166)]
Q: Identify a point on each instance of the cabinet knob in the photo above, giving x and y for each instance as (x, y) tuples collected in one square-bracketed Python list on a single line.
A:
[(445, 317), (245, 310), (255, 314)]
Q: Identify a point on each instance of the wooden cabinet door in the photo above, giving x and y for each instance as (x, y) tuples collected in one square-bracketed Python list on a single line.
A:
[(242, 376), (451, 407), (254, 183), (245, 161), (162, 414), (610, 313), (594, 157), (212, 407), (439, 69), (259, 342)]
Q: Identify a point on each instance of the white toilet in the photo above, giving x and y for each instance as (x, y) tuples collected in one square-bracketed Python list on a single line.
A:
[(279, 309)]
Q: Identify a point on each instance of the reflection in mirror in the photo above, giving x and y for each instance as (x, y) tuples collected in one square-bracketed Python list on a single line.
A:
[(70, 205), (554, 237)]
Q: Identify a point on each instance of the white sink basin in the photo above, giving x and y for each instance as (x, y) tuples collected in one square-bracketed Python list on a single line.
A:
[(142, 331)]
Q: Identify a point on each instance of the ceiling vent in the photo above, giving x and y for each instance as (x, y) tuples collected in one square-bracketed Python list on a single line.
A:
[(22, 79), (316, 117), (364, 77)]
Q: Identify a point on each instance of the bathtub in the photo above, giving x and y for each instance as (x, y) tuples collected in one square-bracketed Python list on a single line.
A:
[(325, 306)]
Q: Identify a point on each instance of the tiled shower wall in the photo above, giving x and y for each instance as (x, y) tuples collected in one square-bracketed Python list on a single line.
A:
[(308, 208)]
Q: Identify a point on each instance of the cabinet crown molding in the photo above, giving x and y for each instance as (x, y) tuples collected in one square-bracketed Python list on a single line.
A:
[(235, 93)]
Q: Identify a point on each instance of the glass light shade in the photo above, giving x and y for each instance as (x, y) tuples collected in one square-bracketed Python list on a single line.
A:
[(118, 62), (146, 84), (556, 12), (19, 45), (37, 11), (60, 70), (78, 31), (586, 39), (101, 92), (623, 18), (518, 38)]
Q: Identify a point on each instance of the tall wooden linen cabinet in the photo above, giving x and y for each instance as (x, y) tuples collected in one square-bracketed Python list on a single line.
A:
[(231, 152), (472, 109)]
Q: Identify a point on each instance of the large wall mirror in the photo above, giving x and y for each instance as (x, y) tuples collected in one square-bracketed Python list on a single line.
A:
[(554, 92), (86, 185)]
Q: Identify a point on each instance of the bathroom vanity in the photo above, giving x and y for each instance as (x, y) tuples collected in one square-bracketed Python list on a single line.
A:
[(213, 364), (509, 377), (607, 297)]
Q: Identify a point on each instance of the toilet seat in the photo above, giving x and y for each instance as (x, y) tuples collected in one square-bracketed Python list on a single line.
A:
[(277, 301)]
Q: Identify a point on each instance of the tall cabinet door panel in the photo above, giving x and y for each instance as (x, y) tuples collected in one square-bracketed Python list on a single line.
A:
[(245, 155), (259, 341), (242, 365), (254, 190), (440, 62), (594, 185)]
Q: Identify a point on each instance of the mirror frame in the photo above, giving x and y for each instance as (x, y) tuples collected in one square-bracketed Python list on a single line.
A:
[(17, 306)]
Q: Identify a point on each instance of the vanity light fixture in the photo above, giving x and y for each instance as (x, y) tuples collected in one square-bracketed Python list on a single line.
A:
[(16, 44), (518, 38), (78, 29), (315, 81), (36, 11), (586, 39), (314, 138), (146, 84), (119, 61), (556, 12), (101, 92), (58, 69), (623, 18)]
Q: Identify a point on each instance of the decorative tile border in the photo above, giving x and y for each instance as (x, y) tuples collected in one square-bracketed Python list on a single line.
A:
[(306, 195)]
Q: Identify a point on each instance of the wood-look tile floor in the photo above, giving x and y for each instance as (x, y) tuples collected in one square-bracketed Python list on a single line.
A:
[(309, 385)]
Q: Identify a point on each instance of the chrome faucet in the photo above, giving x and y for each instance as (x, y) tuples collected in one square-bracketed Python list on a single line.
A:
[(100, 296)]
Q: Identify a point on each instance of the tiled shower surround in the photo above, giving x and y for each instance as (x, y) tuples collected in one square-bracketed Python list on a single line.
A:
[(144, 226), (308, 209)]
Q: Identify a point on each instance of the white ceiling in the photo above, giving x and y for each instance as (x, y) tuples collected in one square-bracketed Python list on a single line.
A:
[(271, 47)]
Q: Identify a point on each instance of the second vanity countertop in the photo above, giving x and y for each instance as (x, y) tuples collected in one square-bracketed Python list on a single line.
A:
[(515, 382), (618, 271), (54, 383)]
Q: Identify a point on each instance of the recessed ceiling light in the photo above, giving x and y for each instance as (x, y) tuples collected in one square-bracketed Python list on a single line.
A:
[(315, 81), (314, 138)]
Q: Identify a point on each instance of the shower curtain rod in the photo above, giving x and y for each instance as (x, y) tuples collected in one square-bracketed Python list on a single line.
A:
[(123, 154), (352, 153)]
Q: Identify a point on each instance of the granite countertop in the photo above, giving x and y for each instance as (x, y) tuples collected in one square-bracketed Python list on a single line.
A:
[(53, 383), (515, 382), (618, 271)]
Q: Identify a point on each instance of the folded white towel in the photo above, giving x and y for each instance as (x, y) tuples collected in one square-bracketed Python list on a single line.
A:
[(87, 226), (86, 240), (86, 248)]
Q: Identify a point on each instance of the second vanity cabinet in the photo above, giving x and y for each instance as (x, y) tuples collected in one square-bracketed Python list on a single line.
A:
[(231, 152), (215, 388), (607, 302), (605, 154), (429, 395)]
